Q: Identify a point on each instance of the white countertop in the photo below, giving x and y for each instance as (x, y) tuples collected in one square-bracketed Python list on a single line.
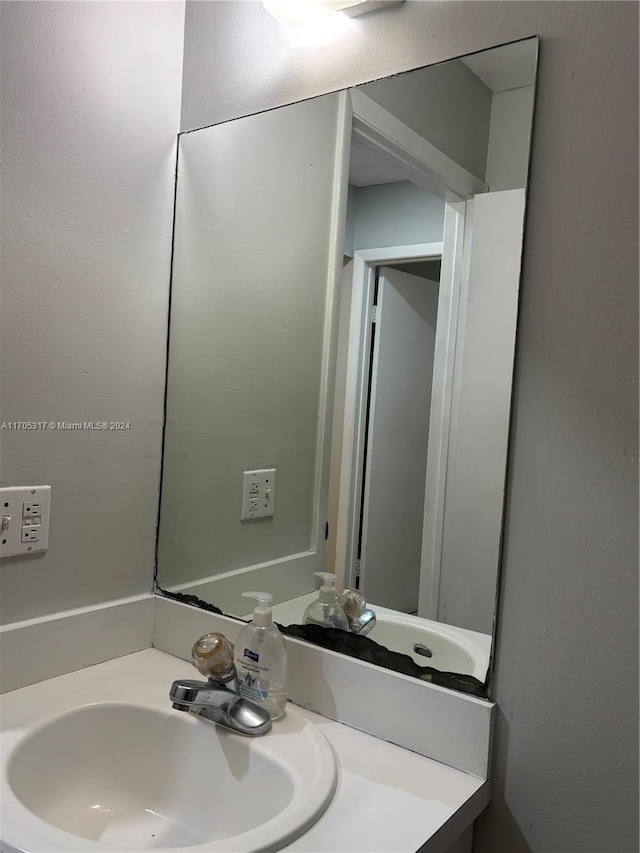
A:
[(387, 799)]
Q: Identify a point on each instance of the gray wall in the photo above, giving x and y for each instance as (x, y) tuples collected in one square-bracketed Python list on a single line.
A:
[(398, 214), (566, 764), (89, 113)]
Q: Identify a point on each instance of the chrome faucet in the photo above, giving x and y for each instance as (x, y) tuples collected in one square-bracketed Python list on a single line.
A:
[(361, 618), (218, 700), (364, 623)]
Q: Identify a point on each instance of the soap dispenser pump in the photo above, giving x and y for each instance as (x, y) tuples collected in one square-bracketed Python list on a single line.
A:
[(325, 610), (261, 659)]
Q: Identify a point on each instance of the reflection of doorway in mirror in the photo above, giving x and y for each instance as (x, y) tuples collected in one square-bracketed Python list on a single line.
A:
[(434, 378), (403, 206), (397, 434)]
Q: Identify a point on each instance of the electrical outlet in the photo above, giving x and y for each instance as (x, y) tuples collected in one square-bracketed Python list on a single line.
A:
[(25, 514), (258, 493), (31, 533)]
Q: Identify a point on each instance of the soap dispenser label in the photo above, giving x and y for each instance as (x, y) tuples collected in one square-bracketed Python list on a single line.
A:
[(252, 686), (254, 656)]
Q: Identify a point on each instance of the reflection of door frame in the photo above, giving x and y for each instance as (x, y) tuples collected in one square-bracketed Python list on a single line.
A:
[(352, 460), (431, 169)]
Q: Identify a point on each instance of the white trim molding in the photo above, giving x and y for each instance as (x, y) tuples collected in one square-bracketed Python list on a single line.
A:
[(287, 577), (37, 649), (440, 417)]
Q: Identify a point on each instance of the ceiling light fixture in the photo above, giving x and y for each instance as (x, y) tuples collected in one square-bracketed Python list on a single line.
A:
[(297, 12)]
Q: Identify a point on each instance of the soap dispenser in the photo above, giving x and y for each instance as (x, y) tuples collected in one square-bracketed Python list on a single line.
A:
[(261, 659), (325, 610)]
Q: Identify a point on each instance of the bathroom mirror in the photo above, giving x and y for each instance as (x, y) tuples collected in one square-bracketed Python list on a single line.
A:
[(342, 329)]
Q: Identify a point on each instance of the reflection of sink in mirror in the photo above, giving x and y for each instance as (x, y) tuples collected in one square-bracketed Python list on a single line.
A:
[(127, 777), (453, 649)]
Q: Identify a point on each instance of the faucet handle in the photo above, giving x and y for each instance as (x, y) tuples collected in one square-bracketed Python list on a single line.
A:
[(360, 617), (352, 602), (212, 656)]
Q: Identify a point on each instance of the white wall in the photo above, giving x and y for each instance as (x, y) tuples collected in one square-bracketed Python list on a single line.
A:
[(566, 762), (90, 109)]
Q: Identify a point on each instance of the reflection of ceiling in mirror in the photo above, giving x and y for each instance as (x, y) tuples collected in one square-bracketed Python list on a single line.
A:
[(511, 66), (368, 167)]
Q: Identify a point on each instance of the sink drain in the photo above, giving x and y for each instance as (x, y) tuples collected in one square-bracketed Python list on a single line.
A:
[(420, 649)]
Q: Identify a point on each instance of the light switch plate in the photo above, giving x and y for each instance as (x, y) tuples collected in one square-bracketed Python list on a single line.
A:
[(24, 512), (258, 493)]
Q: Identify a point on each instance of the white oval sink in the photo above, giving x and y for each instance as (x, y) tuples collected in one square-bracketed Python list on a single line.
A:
[(127, 777), (453, 650)]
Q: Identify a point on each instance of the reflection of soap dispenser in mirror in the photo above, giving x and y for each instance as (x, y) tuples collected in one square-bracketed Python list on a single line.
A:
[(325, 610), (261, 659)]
